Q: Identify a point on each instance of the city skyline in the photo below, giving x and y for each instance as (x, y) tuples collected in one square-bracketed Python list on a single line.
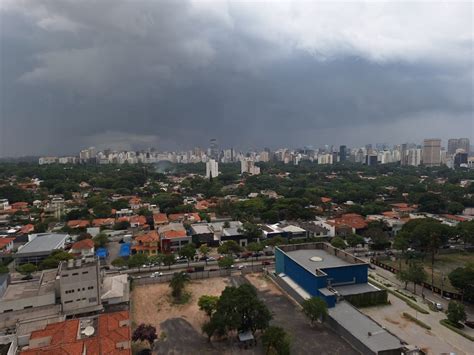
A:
[(175, 74)]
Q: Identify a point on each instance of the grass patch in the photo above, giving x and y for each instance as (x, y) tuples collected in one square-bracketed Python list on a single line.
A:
[(448, 324), (413, 298), (417, 321), (185, 298), (416, 307)]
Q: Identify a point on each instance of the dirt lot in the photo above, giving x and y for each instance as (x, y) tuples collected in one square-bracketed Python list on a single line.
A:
[(182, 323), (152, 303)]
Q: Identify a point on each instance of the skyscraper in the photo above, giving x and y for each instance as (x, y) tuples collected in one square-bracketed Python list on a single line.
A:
[(213, 149), (432, 152), (212, 168), (342, 153), (458, 143)]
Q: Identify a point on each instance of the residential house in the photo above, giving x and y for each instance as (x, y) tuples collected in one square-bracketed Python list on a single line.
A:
[(83, 247), (78, 223), (160, 219), (173, 237), (148, 243)]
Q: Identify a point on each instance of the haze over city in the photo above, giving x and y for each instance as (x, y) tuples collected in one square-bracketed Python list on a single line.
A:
[(173, 74)]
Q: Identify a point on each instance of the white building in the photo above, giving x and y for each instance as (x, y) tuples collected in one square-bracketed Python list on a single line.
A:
[(325, 159), (212, 168), (47, 160)]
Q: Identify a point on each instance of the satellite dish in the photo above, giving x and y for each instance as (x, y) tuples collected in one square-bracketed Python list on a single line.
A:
[(89, 331)]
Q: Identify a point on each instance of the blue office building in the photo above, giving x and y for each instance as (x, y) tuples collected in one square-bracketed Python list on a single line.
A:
[(321, 270)]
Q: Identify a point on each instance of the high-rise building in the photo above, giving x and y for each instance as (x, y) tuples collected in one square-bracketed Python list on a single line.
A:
[(248, 166), (414, 157), (342, 153), (212, 168), (458, 143), (213, 149), (404, 155), (432, 152)]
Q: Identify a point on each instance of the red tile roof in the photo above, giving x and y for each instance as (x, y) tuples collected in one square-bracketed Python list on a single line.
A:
[(19, 205), (5, 241), (352, 220), (150, 237), (112, 329), (326, 199), (27, 229), (78, 223), (83, 244), (455, 218), (160, 218), (174, 234), (98, 222)]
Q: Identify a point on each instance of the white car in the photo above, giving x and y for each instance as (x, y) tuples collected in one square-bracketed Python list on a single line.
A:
[(241, 267), (156, 274)]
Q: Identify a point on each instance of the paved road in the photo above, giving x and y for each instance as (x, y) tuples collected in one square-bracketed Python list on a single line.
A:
[(387, 275)]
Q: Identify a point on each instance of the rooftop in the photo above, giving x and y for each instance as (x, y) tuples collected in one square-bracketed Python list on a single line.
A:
[(32, 288), (312, 259), (43, 242), (363, 328)]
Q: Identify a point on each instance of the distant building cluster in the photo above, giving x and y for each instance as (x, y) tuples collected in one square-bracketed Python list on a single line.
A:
[(430, 153)]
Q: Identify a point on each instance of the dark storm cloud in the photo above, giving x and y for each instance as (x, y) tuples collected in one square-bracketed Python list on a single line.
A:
[(174, 74)]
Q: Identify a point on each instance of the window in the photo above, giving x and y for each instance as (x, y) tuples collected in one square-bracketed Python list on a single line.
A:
[(85, 272), (68, 302), (65, 275), (75, 274), (26, 307), (90, 288)]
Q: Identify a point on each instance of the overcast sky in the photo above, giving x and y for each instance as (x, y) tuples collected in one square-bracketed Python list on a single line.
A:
[(173, 74)]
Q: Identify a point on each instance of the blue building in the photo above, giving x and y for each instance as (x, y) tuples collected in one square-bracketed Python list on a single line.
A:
[(321, 270)]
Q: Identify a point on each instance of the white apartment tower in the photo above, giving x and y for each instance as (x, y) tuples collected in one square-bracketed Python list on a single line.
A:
[(212, 168)]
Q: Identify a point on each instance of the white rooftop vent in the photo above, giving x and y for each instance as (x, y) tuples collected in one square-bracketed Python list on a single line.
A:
[(316, 259), (88, 331)]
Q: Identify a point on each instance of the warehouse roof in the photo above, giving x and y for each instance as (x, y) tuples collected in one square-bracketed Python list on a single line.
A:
[(43, 242), (363, 328)]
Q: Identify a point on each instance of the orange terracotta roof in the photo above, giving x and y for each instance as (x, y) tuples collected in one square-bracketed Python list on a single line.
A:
[(64, 337), (19, 205), (400, 205), (98, 222), (141, 220), (174, 234), (27, 228), (352, 220), (5, 241), (391, 214), (150, 237), (160, 218), (83, 244), (455, 218), (326, 199), (78, 223)]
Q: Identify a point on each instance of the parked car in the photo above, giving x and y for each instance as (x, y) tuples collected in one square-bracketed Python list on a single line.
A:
[(156, 274), (266, 262), (469, 323), (190, 270), (241, 267)]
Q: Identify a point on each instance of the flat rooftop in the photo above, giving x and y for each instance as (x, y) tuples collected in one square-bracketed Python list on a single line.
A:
[(43, 243), (312, 259), (31, 288), (363, 328), (355, 289)]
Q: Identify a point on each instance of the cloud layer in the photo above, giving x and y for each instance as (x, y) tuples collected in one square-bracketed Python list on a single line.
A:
[(174, 74)]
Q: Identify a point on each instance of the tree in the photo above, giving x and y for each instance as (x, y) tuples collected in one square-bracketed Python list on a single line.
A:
[(276, 341), (52, 261), (354, 239), (466, 231), (208, 304), (229, 247), (315, 308), (239, 309), (338, 242), (403, 276), (188, 251), (416, 273), (204, 250), (145, 332), (27, 269), (456, 312), (121, 225), (275, 241), (177, 284), (102, 210), (251, 231), (401, 242), (462, 278), (155, 259), (168, 260), (100, 240), (119, 262), (255, 247), (137, 260), (226, 262)]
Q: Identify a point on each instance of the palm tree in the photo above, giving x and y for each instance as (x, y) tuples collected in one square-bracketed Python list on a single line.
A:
[(177, 284)]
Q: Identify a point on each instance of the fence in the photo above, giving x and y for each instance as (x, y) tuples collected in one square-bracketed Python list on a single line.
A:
[(432, 288), (193, 276)]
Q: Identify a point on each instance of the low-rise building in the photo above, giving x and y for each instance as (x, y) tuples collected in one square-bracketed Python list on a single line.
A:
[(83, 248), (39, 247), (147, 244), (107, 333)]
